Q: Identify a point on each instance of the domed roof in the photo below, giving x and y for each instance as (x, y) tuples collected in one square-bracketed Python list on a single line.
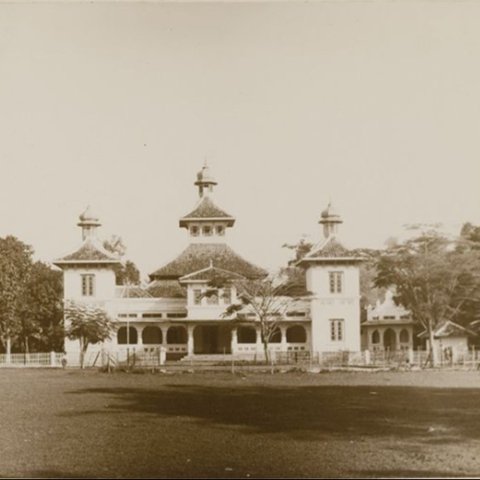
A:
[(330, 211), (204, 176), (330, 215), (88, 216)]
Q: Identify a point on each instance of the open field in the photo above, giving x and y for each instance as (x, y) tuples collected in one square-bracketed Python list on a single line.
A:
[(70, 423)]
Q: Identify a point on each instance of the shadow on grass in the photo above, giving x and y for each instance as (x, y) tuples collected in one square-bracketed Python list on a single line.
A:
[(431, 415), (407, 474)]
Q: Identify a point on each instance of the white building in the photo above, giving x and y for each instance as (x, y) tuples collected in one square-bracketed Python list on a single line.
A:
[(171, 311), (389, 327)]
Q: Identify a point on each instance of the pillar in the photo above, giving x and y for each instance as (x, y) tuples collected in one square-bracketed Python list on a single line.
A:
[(164, 335), (234, 341), (190, 339), (259, 340), (283, 341)]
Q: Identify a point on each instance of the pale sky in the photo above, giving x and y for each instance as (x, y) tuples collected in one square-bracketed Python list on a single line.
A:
[(374, 104)]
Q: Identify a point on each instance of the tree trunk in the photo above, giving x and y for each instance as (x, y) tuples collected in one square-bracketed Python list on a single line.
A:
[(82, 351), (8, 349), (265, 349), (431, 342)]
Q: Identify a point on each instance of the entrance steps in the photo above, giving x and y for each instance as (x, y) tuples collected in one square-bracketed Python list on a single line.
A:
[(208, 359)]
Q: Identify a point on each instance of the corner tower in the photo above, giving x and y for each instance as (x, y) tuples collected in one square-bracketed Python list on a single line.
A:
[(332, 275)]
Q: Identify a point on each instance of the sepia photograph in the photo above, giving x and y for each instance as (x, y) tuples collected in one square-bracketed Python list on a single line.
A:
[(240, 239)]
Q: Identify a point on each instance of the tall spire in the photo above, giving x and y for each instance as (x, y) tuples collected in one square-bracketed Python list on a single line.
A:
[(330, 220), (205, 181)]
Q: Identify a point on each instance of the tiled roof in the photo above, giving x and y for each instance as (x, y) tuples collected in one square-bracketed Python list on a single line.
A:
[(209, 274), (202, 255), (166, 289), (206, 209), (449, 329), (330, 249), (90, 251), (131, 291)]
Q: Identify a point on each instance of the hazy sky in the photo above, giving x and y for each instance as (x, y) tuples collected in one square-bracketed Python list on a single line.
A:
[(376, 104)]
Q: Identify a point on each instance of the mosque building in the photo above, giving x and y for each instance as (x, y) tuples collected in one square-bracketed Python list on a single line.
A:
[(173, 310)]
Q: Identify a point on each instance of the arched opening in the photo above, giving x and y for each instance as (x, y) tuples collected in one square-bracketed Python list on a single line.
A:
[(246, 335), (125, 337), (177, 335), (375, 337), (212, 339), (151, 335), (404, 336), (276, 336), (296, 334), (389, 339)]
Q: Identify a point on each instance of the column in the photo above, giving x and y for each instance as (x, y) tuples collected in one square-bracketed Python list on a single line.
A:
[(259, 339), (234, 341), (283, 341), (164, 336), (190, 339)]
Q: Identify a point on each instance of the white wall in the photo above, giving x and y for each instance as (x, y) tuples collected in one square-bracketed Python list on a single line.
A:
[(326, 306), (104, 283)]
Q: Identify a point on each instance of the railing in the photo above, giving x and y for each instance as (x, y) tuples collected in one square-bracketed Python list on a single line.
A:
[(50, 359)]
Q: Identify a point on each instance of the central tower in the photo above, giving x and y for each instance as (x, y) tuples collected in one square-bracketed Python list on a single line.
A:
[(206, 223)]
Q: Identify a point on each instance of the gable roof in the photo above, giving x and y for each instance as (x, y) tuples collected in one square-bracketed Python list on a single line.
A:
[(330, 249), (449, 329), (200, 256), (207, 210), (90, 252), (208, 274)]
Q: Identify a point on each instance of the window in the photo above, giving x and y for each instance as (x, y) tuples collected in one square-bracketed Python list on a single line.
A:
[(197, 297), (375, 337), (88, 283), (207, 231), (194, 231), (336, 330), (212, 298), (220, 230), (404, 336), (227, 295), (336, 282)]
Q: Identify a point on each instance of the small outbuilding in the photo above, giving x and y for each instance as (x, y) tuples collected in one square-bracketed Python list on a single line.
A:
[(451, 340)]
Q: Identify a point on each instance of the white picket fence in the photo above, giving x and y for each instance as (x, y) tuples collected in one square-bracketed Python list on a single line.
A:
[(138, 358), (19, 360)]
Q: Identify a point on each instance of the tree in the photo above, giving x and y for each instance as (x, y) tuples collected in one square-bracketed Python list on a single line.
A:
[(41, 310), (126, 273), (15, 270), (88, 324), (268, 299), (432, 279)]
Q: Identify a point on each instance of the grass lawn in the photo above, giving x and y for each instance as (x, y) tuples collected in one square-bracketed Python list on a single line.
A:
[(70, 423)]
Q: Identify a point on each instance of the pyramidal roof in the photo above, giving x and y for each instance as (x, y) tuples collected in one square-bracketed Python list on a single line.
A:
[(91, 251), (328, 250), (207, 210), (200, 256)]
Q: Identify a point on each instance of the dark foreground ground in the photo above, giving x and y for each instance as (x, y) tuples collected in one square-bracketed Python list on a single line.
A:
[(69, 423)]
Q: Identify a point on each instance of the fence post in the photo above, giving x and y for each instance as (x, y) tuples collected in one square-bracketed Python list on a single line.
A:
[(410, 355), (367, 357), (52, 359)]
